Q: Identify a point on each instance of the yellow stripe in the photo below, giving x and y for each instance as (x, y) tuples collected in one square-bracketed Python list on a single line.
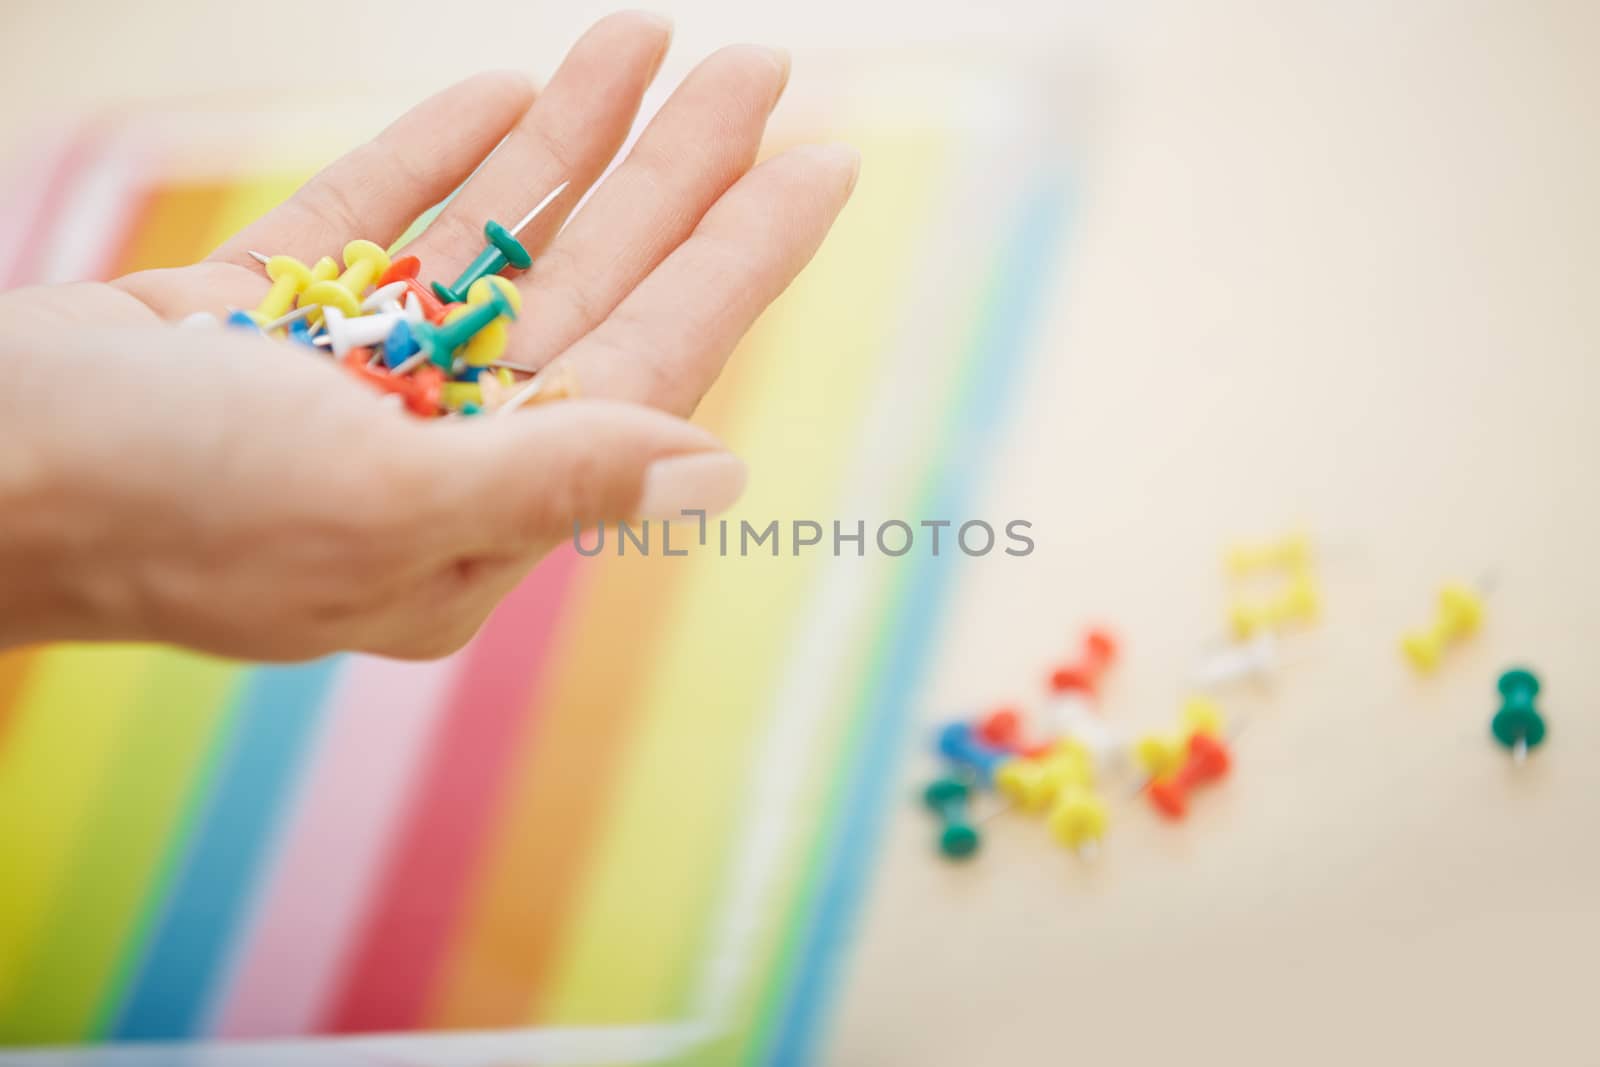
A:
[(73, 713), (648, 895), (127, 836)]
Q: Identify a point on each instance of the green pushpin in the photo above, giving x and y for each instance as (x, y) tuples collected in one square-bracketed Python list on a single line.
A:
[(412, 342), (502, 251), (1518, 724), (947, 798)]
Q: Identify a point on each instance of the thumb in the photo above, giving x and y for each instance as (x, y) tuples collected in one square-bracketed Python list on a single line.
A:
[(580, 462)]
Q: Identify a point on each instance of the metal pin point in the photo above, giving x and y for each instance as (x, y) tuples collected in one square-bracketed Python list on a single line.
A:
[(540, 206), (294, 316), (259, 257)]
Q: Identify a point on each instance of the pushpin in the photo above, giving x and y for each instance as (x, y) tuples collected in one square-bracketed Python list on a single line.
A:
[(1207, 760), (1255, 660), (344, 333), (1518, 725), (405, 269), (1460, 613), (1032, 783), (552, 383), (1298, 602), (503, 250), (949, 798), (199, 320), (363, 262), (419, 393), (960, 746), (242, 320), (1003, 729), (1099, 652), (489, 343), (438, 343), (1288, 553), (289, 276), (1161, 755), (385, 298), (1079, 820)]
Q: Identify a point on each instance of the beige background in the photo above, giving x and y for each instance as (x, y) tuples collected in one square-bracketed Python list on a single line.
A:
[(1337, 266)]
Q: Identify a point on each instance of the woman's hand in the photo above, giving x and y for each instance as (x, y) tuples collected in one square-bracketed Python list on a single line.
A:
[(236, 494)]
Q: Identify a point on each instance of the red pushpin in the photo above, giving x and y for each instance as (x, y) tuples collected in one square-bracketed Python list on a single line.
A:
[(405, 269), (1207, 761), (1099, 652), (1002, 729)]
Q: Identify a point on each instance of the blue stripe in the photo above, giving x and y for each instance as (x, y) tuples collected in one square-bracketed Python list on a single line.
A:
[(999, 348), (174, 986)]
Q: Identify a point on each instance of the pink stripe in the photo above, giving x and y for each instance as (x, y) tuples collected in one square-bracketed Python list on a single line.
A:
[(32, 203), (384, 713), (416, 910)]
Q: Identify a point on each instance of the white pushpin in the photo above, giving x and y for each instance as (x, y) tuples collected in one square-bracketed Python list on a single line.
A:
[(1071, 714), (343, 333), (1255, 660), (386, 298)]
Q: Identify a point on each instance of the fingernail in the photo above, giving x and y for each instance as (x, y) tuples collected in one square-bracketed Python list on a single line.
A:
[(843, 156), (711, 481), (785, 63)]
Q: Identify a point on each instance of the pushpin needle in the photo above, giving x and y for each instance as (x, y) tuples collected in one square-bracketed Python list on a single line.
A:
[(540, 206), (259, 257)]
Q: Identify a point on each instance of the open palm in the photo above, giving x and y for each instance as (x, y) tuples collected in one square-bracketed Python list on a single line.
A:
[(321, 519)]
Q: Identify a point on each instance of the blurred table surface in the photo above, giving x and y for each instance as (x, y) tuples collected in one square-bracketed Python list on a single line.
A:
[(1336, 266)]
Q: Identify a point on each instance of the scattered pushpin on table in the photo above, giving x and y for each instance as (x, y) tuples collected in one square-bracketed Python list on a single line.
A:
[(1460, 613), (1256, 660), (1298, 602), (1207, 760), (1162, 755), (1291, 553), (1032, 783), (503, 250), (957, 743), (1079, 820), (949, 798), (364, 262), (1099, 653), (1518, 726)]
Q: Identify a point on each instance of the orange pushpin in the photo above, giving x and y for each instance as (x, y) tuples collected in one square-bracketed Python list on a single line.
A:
[(1207, 761)]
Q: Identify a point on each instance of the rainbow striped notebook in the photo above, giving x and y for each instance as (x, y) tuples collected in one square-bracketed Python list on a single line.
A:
[(633, 821)]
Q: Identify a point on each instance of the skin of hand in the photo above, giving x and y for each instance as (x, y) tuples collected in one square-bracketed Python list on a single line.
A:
[(235, 494)]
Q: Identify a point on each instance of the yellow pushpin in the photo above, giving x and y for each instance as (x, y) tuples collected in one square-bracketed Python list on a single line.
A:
[(1459, 616), (1079, 819), (363, 262), (1298, 602), (1291, 552), (1160, 755), (289, 276), (1031, 784), (489, 343)]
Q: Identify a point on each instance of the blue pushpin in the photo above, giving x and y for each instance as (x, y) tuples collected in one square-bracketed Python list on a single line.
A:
[(242, 320), (300, 331), (960, 745)]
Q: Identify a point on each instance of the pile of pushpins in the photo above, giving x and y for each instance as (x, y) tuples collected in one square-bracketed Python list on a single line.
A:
[(1064, 759), (436, 350)]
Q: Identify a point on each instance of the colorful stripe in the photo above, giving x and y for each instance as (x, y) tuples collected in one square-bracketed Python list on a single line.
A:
[(631, 954), (403, 943), (383, 715), (174, 985), (887, 705), (75, 714), (115, 862)]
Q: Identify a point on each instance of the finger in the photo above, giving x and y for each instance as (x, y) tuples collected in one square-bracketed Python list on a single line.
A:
[(527, 478), (704, 139), (569, 134), (667, 342), (376, 191)]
